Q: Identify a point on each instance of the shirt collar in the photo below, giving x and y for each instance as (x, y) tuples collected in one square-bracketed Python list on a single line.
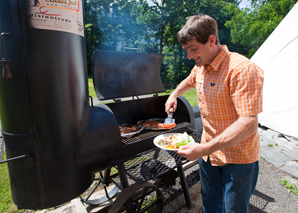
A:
[(218, 59)]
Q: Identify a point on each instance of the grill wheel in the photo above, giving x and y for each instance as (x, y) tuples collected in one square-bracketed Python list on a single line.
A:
[(102, 181), (139, 198)]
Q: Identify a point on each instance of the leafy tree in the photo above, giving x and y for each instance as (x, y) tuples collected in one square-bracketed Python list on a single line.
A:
[(176, 63), (250, 27), (109, 26), (92, 30), (114, 24)]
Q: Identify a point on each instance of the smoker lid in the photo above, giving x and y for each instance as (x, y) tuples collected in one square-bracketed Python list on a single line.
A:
[(123, 74)]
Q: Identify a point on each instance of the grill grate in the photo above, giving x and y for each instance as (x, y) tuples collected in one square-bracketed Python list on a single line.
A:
[(149, 164), (150, 133)]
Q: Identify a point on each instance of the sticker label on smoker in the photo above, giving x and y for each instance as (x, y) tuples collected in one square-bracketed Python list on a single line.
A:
[(59, 15)]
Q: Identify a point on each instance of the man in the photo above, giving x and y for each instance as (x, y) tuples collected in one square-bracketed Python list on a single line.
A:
[(229, 89)]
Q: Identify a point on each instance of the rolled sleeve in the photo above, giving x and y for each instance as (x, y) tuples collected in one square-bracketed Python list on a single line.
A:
[(191, 79), (246, 90)]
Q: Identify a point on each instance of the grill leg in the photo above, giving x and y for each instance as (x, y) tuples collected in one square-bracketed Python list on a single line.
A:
[(184, 186), (124, 185), (123, 179)]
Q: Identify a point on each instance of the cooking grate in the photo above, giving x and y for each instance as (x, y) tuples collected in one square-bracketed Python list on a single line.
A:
[(149, 133)]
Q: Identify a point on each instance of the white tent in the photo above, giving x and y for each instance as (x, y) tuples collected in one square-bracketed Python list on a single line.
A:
[(278, 57)]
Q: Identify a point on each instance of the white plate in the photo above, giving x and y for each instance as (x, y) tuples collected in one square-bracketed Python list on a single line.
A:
[(165, 136)]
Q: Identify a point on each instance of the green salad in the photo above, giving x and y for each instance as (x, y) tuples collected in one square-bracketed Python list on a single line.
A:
[(183, 139)]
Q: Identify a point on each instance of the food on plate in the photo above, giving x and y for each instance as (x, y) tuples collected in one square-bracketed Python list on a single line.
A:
[(174, 141), (128, 129), (157, 124)]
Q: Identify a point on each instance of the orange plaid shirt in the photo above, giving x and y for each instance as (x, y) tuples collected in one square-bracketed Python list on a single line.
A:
[(230, 87)]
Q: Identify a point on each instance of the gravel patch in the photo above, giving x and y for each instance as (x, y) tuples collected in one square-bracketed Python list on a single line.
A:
[(270, 195)]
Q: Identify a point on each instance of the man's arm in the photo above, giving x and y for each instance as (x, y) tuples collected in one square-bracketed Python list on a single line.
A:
[(182, 88), (240, 130)]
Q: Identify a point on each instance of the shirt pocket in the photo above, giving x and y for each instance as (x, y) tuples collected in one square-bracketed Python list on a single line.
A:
[(201, 98), (200, 89)]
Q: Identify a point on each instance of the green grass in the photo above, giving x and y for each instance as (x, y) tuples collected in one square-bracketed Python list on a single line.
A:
[(91, 88), (291, 188), (6, 204), (191, 97)]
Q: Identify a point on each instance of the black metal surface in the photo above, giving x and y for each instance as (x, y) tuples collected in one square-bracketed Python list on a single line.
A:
[(122, 74), (173, 194), (151, 134), (100, 141), (174, 197), (184, 186), (152, 107), (144, 197), (6, 73), (45, 112), (44, 109), (152, 163), (15, 158), (149, 164)]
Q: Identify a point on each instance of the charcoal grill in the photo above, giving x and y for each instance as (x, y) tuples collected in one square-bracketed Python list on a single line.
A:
[(142, 72), (111, 79), (49, 124)]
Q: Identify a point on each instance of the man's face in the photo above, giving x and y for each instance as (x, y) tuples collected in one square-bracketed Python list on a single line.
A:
[(200, 53)]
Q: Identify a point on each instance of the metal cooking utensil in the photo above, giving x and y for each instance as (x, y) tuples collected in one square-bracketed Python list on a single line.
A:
[(170, 119)]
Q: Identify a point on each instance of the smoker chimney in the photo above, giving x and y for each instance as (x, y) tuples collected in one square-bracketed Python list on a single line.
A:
[(44, 107)]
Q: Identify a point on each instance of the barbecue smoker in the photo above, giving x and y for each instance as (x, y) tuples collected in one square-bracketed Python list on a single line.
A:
[(55, 138)]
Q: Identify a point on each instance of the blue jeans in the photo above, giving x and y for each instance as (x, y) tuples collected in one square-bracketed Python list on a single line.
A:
[(227, 187)]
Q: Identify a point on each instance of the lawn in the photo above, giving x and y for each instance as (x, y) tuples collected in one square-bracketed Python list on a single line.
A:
[(6, 204), (91, 88)]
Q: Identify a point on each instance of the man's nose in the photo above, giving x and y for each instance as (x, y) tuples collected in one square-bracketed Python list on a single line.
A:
[(189, 55)]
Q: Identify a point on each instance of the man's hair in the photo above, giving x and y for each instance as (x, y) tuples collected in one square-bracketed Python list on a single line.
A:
[(198, 27)]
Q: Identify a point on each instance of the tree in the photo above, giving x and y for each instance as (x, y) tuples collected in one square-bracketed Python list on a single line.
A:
[(250, 27), (133, 23), (109, 26), (176, 62)]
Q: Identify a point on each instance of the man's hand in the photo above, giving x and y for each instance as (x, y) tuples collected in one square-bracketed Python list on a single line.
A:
[(240, 130), (192, 151), (171, 102)]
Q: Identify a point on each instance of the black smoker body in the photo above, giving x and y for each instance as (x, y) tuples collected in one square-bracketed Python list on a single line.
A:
[(45, 112), (44, 109)]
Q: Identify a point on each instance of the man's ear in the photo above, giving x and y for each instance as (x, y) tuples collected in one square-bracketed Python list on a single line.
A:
[(212, 40)]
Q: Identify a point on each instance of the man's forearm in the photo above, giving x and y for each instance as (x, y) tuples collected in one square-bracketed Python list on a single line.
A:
[(172, 100), (237, 132), (181, 89)]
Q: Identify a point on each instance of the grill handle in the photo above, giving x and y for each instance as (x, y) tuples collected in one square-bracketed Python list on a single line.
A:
[(6, 73), (193, 130), (18, 158)]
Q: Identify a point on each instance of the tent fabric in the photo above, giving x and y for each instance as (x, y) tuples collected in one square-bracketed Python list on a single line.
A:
[(278, 57)]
